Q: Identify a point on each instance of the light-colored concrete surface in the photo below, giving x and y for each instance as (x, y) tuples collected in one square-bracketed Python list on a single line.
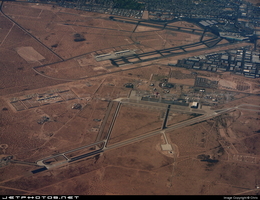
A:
[(166, 147)]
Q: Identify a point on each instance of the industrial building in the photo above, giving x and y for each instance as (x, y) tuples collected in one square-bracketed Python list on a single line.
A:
[(194, 105)]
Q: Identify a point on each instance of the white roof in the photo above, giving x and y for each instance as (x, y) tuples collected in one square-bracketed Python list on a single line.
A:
[(194, 103)]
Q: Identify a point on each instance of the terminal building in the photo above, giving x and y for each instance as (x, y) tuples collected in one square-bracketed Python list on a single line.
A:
[(114, 55)]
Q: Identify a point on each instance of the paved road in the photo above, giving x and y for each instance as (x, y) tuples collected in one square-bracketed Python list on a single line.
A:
[(112, 124), (161, 106), (167, 129), (166, 117), (129, 141), (23, 162), (100, 132), (168, 52), (248, 105), (86, 155), (111, 29), (249, 109), (1, 11), (41, 162), (159, 25)]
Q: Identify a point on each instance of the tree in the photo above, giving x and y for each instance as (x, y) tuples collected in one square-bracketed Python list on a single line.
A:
[(128, 4)]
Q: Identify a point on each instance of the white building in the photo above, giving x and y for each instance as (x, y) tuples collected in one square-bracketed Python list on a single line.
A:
[(194, 105)]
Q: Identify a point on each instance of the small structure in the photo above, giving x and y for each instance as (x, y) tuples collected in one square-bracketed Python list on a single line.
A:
[(129, 85), (77, 106), (194, 105), (166, 85), (43, 120), (5, 160)]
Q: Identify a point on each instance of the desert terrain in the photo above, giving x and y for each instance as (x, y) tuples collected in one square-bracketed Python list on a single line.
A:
[(73, 125)]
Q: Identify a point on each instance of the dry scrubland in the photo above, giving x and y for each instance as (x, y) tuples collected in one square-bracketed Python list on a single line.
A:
[(16, 73), (231, 140), (132, 122), (58, 28)]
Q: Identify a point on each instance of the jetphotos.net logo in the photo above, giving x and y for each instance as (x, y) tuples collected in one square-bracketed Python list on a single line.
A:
[(39, 197)]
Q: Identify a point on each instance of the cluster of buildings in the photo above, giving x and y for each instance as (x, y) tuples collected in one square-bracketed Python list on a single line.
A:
[(114, 55), (235, 19), (242, 61), (100, 6), (199, 94), (208, 22), (214, 9), (168, 9)]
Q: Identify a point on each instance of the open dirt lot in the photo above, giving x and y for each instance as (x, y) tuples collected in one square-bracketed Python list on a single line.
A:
[(241, 128), (143, 120), (130, 170), (31, 140), (15, 72), (185, 25), (58, 28), (163, 39), (206, 158), (29, 54), (174, 118), (141, 28)]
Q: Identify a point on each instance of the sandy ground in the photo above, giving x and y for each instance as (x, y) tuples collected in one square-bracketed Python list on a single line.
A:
[(134, 118), (139, 168), (141, 28), (29, 54)]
